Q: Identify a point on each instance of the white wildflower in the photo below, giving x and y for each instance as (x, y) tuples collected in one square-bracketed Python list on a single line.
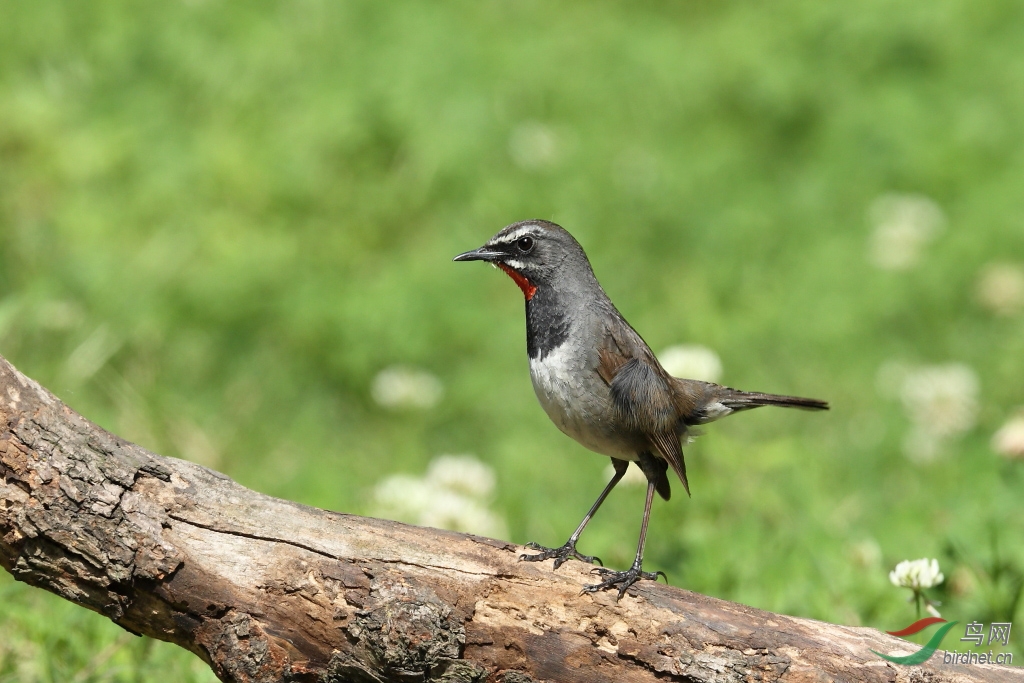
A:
[(400, 387), (917, 574), (452, 495), (634, 475), (1000, 288), (1009, 440), (463, 474), (449, 510), (903, 224), (534, 146), (942, 399), (403, 497), (691, 361)]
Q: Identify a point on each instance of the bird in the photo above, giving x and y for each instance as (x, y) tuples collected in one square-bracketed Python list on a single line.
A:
[(599, 381)]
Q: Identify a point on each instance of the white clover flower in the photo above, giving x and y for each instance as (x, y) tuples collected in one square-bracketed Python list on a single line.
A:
[(452, 495), (691, 361), (917, 574), (634, 476), (1009, 440), (399, 387), (942, 399), (449, 510), (534, 146), (903, 224), (402, 497), (1000, 288), (463, 474)]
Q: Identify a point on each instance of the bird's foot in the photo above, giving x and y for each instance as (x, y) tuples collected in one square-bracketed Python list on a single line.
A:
[(560, 555), (622, 580)]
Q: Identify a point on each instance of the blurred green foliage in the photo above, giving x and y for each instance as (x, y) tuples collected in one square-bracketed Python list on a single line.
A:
[(218, 222)]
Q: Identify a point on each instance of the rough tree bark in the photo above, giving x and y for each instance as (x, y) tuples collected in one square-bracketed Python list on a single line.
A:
[(268, 590)]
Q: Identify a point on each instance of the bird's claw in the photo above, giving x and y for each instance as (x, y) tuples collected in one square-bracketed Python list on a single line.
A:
[(622, 580), (560, 555)]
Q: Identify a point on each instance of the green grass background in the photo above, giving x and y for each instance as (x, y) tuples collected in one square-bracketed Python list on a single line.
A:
[(249, 209)]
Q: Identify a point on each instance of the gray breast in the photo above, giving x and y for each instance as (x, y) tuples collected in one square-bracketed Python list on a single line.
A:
[(577, 400)]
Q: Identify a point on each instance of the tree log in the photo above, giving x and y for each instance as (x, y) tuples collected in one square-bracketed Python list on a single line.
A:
[(269, 590)]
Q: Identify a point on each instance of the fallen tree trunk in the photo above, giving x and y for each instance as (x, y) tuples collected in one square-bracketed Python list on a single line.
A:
[(268, 590)]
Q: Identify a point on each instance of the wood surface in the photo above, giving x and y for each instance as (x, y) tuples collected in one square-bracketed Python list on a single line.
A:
[(269, 590)]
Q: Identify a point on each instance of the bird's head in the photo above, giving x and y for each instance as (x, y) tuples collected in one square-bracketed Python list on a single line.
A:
[(536, 254)]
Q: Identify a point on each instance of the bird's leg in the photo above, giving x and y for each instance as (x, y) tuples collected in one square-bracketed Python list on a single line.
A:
[(623, 580), (569, 549)]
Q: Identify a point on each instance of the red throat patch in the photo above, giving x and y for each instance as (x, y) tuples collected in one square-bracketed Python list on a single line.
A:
[(528, 288)]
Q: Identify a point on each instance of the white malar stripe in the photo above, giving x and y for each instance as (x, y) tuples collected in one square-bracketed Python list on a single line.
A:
[(518, 265)]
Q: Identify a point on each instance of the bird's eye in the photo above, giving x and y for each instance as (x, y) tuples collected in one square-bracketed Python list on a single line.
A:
[(525, 244)]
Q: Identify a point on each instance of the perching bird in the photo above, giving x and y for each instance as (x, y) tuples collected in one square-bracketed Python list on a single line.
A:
[(598, 380)]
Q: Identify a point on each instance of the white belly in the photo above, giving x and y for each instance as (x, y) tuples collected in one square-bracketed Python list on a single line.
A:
[(560, 382)]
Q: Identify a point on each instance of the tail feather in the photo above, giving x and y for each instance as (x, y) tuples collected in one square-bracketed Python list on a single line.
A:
[(701, 402), (744, 400)]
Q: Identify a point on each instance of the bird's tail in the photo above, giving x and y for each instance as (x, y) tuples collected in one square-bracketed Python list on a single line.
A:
[(745, 400), (701, 402)]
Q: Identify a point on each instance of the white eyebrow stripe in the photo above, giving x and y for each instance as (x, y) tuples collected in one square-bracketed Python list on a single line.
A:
[(516, 234)]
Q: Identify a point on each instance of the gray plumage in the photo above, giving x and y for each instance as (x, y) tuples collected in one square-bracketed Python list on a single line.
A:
[(595, 376)]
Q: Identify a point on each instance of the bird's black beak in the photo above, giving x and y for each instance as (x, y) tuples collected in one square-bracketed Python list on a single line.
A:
[(484, 253)]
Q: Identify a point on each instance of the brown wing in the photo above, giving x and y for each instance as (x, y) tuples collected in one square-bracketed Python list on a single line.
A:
[(609, 363), (643, 395), (621, 345)]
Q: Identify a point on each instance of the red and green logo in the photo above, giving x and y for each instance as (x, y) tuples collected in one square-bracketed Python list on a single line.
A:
[(925, 653)]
